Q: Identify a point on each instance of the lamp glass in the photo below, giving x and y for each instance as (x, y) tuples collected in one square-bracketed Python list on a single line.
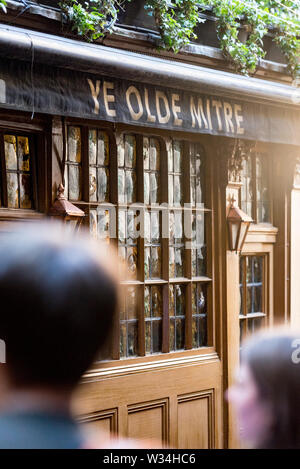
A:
[(234, 232), (243, 230)]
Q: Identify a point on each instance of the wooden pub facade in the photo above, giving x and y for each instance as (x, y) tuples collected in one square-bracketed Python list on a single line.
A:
[(138, 138)]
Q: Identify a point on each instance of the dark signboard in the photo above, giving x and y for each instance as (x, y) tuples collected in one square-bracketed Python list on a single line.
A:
[(64, 92)]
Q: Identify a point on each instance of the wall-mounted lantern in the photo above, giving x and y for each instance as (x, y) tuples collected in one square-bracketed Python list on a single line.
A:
[(238, 223), (64, 210)]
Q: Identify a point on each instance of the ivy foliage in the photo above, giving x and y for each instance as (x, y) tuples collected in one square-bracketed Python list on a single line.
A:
[(253, 19), (241, 25), (175, 20), (3, 5), (240, 30), (91, 19)]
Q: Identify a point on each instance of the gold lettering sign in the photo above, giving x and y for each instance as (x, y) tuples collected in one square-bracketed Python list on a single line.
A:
[(149, 105)]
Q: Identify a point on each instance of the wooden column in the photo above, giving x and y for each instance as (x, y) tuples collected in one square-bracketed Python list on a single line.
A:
[(295, 247), (283, 165), (228, 164), (57, 155)]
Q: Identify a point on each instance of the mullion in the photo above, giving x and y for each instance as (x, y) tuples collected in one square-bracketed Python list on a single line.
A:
[(139, 168), (254, 186), (165, 244), (3, 167), (188, 149), (34, 178), (17, 172)]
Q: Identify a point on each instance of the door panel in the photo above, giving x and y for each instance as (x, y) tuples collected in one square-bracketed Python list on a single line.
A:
[(105, 421), (195, 420), (149, 420), (181, 407)]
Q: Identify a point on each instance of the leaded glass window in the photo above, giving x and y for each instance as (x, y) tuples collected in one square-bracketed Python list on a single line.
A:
[(127, 170), (152, 245), (255, 191), (177, 316), (247, 187), (199, 309), (252, 295), (153, 319), (175, 174), (17, 171), (177, 250), (147, 196), (129, 323), (262, 190), (128, 249), (99, 166), (73, 168), (151, 153)]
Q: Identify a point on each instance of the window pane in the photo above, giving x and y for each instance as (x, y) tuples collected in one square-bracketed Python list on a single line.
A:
[(175, 174), (199, 262), (177, 317), (252, 286), (93, 147), (258, 269), (25, 190), (130, 151), (242, 267), (99, 166), (262, 190), (249, 300), (246, 189), (126, 173), (151, 152), (197, 175), (12, 190), (127, 237), (129, 323), (176, 243), (23, 154), (74, 182), (257, 292), (153, 319), (18, 172), (73, 177), (254, 324), (103, 185), (100, 224), (10, 145), (199, 315), (74, 144)]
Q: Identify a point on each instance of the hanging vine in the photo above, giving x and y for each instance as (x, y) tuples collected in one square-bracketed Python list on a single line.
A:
[(287, 29), (256, 18), (240, 30), (176, 21), (241, 25), (3, 5), (91, 19)]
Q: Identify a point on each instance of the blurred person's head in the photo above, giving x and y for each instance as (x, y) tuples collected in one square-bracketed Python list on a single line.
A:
[(266, 395), (58, 298)]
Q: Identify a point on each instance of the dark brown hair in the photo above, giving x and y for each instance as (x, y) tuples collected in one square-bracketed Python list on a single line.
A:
[(273, 361), (58, 303)]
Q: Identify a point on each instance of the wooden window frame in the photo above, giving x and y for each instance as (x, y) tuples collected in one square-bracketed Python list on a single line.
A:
[(261, 243), (245, 317), (20, 124), (254, 187), (116, 134)]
